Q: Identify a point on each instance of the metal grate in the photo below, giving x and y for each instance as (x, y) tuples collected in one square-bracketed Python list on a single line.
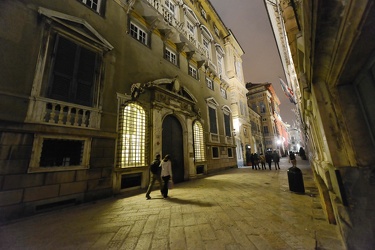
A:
[(132, 139), (198, 142)]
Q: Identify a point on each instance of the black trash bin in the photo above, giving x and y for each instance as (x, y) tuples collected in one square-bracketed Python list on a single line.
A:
[(295, 180)]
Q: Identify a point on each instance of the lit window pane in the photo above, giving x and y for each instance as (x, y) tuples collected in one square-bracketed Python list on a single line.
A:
[(198, 142), (132, 141)]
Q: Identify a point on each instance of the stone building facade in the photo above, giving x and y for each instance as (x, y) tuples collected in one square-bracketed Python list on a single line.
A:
[(328, 53), (92, 90), (263, 100)]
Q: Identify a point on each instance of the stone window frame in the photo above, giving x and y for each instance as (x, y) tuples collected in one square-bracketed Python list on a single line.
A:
[(223, 93), (139, 33), (227, 112), (210, 84), (213, 104), (34, 165), (213, 153), (80, 32), (230, 152), (171, 56), (193, 71), (100, 5)]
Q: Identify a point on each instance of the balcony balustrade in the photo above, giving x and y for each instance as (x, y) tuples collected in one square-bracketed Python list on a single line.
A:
[(54, 112), (177, 30)]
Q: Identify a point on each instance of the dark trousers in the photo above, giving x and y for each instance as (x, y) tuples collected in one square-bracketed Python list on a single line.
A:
[(277, 164), (164, 190), (153, 178), (269, 164), (263, 165)]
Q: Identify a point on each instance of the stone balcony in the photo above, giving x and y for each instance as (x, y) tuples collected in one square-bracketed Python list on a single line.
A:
[(159, 17), (54, 112)]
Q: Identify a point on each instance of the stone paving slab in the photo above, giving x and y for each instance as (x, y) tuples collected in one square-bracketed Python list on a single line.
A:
[(239, 208)]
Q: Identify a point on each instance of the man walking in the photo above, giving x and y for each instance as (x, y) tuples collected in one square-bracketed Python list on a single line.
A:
[(276, 159), (155, 171)]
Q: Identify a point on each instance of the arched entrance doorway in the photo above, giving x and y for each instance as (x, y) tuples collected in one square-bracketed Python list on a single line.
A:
[(172, 139)]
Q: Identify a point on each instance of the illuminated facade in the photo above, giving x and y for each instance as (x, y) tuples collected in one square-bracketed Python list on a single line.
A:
[(106, 85), (263, 100)]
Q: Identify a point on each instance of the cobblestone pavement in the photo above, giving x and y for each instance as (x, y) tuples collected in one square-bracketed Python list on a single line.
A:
[(239, 208)]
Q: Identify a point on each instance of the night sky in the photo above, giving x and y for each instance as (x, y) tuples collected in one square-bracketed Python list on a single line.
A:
[(249, 22)]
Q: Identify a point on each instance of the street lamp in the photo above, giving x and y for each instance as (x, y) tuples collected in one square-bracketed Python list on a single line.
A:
[(278, 143)]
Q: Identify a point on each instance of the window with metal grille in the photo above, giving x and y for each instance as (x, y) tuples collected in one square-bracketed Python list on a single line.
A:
[(138, 33), (199, 152), (132, 141), (56, 153)]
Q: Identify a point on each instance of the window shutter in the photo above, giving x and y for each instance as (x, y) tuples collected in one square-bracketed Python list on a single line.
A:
[(62, 75), (85, 77), (213, 125), (227, 125)]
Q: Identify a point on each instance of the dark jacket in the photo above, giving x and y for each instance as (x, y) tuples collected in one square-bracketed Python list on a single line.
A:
[(155, 167)]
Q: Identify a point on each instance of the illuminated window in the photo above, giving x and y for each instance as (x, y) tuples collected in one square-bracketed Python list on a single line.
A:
[(132, 136), (199, 152)]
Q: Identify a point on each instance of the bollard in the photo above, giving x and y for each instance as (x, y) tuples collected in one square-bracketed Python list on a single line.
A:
[(295, 180)]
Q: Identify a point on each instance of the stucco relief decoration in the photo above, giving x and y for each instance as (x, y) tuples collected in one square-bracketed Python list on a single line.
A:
[(197, 110), (138, 88)]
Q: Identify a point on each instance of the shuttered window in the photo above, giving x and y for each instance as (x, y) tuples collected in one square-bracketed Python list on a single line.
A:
[(73, 74), (213, 122)]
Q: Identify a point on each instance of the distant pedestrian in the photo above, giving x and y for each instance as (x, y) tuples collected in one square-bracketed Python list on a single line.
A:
[(248, 158), (256, 161), (155, 172), (276, 159), (166, 174), (262, 160), (252, 161), (269, 159), (292, 159)]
